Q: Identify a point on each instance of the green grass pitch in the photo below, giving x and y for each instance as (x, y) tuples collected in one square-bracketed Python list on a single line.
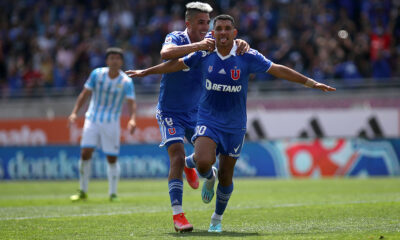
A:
[(259, 209)]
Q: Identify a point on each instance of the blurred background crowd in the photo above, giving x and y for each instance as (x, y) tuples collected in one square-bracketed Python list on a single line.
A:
[(55, 44)]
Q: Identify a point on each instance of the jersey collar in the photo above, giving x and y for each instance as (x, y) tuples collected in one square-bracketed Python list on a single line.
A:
[(187, 35), (231, 53)]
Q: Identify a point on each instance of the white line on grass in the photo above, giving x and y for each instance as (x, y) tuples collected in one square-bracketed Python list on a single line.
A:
[(42, 212)]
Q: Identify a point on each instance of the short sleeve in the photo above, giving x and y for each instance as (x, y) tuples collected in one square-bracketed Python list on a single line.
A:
[(129, 89), (194, 59), (171, 38), (258, 63), (91, 81)]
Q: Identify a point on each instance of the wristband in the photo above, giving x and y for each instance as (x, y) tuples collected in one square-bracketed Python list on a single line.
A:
[(310, 83)]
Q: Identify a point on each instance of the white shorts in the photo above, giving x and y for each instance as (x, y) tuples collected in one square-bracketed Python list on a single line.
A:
[(106, 136)]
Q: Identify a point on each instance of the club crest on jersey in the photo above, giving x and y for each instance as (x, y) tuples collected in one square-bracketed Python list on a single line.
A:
[(168, 39), (235, 74), (171, 131), (210, 68)]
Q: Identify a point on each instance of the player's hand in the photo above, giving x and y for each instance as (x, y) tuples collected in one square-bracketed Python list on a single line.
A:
[(131, 126), (72, 118), (242, 46), (207, 44), (323, 87), (136, 73)]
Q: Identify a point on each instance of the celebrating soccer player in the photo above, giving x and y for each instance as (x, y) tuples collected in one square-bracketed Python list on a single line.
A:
[(108, 87), (179, 100), (222, 116)]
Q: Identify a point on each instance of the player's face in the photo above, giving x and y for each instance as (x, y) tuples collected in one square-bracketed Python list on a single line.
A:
[(114, 61), (198, 26), (224, 33)]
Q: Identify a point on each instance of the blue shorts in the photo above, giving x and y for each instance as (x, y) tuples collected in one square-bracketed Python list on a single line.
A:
[(175, 126), (227, 143)]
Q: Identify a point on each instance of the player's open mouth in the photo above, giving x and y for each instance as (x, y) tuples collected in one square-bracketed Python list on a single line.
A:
[(224, 40)]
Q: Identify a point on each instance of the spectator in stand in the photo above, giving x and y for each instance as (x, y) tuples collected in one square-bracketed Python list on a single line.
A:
[(372, 26)]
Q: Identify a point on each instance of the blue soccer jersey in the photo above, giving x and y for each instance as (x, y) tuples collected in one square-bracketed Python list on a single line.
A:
[(225, 79), (107, 95), (180, 91)]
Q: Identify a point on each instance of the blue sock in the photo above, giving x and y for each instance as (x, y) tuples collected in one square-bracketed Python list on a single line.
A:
[(189, 161), (175, 187), (208, 174), (223, 195)]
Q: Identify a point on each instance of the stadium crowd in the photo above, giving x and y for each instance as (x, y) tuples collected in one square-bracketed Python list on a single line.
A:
[(55, 44)]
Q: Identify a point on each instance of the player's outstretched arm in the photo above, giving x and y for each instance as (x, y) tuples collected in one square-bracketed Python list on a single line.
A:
[(172, 51), (289, 74), (165, 67)]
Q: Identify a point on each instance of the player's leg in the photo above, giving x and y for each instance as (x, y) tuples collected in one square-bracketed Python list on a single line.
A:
[(89, 140), (204, 156), (84, 174), (113, 172), (176, 153), (189, 169), (231, 146), (172, 134), (110, 144), (224, 190)]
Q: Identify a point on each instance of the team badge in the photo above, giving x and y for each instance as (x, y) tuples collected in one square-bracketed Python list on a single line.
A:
[(210, 68), (235, 74), (168, 39), (171, 131)]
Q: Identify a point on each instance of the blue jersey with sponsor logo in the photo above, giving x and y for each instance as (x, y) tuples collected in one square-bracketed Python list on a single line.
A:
[(107, 95), (180, 91), (225, 79)]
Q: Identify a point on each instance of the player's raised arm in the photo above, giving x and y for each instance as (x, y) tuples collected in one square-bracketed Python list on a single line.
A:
[(289, 74), (172, 51), (165, 67)]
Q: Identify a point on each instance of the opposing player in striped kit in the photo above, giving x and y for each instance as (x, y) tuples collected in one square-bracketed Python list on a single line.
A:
[(108, 87)]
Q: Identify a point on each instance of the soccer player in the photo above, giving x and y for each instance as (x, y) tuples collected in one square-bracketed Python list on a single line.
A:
[(108, 87), (179, 100), (222, 116)]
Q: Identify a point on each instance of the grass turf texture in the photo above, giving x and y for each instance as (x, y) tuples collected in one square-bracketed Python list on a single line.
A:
[(258, 209)]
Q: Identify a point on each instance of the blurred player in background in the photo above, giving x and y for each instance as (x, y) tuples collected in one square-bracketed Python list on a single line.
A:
[(108, 87), (179, 100), (222, 117)]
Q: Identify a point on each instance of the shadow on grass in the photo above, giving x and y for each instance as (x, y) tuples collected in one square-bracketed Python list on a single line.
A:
[(200, 233)]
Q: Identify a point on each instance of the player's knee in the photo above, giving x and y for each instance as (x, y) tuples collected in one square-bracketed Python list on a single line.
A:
[(203, 164), (111, 159), (86, 154)]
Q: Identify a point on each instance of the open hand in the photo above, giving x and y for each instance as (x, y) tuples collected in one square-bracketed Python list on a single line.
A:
[(136, 73), (324, 87)]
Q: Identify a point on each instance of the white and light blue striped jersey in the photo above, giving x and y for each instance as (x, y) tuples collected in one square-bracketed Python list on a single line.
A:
[(108, 95)]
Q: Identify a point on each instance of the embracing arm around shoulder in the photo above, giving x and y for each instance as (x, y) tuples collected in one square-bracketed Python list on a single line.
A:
[(289, 74), (165, 67), (172, 51)]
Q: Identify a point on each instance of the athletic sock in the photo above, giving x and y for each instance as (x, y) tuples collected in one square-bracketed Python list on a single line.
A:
[(175, 187), (189, 162), (223, 195), (84, 174), (113, 177)]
